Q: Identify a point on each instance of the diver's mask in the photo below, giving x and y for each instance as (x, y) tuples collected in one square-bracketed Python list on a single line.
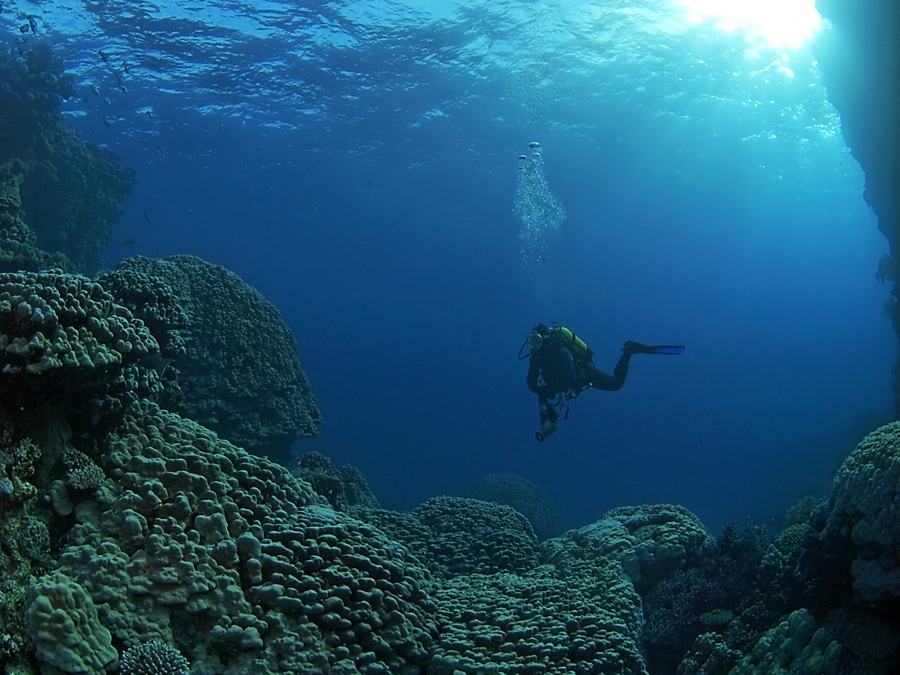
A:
[(534, 340)]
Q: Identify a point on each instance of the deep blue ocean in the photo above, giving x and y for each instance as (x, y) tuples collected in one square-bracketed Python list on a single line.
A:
[(358, 163)]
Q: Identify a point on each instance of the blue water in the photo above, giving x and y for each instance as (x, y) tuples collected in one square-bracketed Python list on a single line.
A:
[(357, 163)]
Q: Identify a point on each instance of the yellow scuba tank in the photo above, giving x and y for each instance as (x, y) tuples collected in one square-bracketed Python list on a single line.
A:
[(575, 344)]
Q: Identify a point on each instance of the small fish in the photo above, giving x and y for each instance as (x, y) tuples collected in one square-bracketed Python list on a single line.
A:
[(103, 55), (123, 88), (107, 101), (149, 114), (118, 77), (94, 89), (147, 217), (126, 242), (105, 121), (190, 211), (23, 28), (21, 41), (32, 24), (221, 124), (143, 141), (126, 67), (156, 362)]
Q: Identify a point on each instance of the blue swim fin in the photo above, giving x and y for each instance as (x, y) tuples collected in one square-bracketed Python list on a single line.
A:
[(665, 349)]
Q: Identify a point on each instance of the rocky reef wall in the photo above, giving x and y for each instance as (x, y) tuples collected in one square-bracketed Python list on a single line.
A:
[(59, 195), (859, 57)]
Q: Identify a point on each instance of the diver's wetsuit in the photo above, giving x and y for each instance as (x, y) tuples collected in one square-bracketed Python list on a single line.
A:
[(554, 364)]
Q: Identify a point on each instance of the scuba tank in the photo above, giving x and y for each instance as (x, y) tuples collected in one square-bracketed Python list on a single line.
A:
[(578, 347)]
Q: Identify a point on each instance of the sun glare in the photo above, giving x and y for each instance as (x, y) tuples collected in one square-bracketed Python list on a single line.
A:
[(784, 24)]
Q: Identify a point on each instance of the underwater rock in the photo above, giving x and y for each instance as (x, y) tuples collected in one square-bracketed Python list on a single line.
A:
[(525, 497), (237, 363)]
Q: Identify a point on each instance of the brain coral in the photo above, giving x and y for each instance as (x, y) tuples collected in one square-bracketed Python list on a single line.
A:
[(864, 499), (196, 542), (525, 497), (237, 361)]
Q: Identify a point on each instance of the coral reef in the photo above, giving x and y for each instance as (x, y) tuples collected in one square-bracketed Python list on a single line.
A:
[(63, 339), (650, 542), (819, 598), (793, 646), (150, 539), (187, 547), (525, 497), (701, 597), (535, 623), (470, 536), (200, 544), (18, 243), (236, 360), (59, 196)]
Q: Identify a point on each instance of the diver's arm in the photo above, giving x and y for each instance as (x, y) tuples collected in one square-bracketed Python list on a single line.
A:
[(534, 372), (568, 364)]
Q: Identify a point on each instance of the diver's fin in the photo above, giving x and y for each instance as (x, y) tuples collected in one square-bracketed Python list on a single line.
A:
[(664, 349)]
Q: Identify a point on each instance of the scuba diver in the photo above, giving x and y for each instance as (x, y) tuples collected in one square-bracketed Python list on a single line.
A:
[(561, 366)]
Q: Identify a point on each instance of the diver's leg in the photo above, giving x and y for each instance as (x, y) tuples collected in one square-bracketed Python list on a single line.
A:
[(600, 380)]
